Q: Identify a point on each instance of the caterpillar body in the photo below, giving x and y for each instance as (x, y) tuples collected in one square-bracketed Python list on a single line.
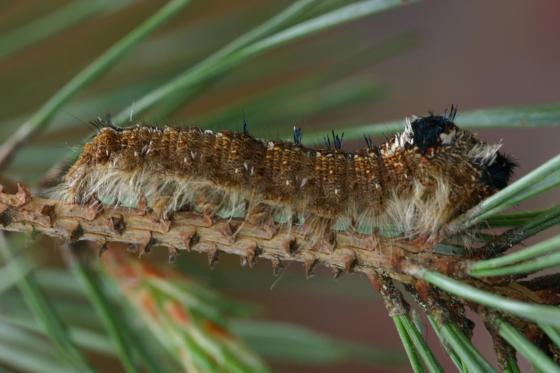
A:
[(413, 184)]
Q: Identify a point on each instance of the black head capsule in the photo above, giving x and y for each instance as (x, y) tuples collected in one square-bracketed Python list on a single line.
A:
[(497, 174), (432, 131)]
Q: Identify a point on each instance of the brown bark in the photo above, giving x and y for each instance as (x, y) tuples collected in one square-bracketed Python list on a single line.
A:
[(347, 252)]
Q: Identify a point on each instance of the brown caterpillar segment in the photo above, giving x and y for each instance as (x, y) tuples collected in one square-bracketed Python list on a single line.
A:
[(413, 185)]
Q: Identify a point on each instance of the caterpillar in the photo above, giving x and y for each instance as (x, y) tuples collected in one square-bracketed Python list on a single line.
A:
[(411, 186)]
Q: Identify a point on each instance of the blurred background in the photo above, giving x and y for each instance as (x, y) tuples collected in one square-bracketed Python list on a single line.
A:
[(411, 59)]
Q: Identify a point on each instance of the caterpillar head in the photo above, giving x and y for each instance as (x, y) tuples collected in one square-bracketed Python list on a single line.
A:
[(436, 131), (497, 173)]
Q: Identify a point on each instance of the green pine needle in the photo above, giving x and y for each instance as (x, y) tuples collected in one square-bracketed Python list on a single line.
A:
[(534, 312)]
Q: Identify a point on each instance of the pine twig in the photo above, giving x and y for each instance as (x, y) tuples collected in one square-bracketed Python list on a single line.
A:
[(141, 229), (398, 310)]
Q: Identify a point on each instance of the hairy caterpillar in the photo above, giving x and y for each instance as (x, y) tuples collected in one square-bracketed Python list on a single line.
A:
[(412, 185)]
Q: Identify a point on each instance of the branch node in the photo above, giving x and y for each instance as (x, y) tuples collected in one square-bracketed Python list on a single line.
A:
[(251, 253), (173, 253), (277, 266), (75, 232), (23, 195), (336, 272), (189, 237), (5, 218), (48, 210), (349, 260), (102, 248), (116, 224), (309, 264), (394, 300), (289, 245), (213, 256)]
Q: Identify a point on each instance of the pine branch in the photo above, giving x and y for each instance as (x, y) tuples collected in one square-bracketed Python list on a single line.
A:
[(141, 229), (397, 260)]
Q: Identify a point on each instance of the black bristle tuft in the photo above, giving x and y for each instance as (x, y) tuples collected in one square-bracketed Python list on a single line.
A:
[(452, 112), (337, 140), (498, 174), (245, 126), (369, 142), (297, 135), (327, 141)]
